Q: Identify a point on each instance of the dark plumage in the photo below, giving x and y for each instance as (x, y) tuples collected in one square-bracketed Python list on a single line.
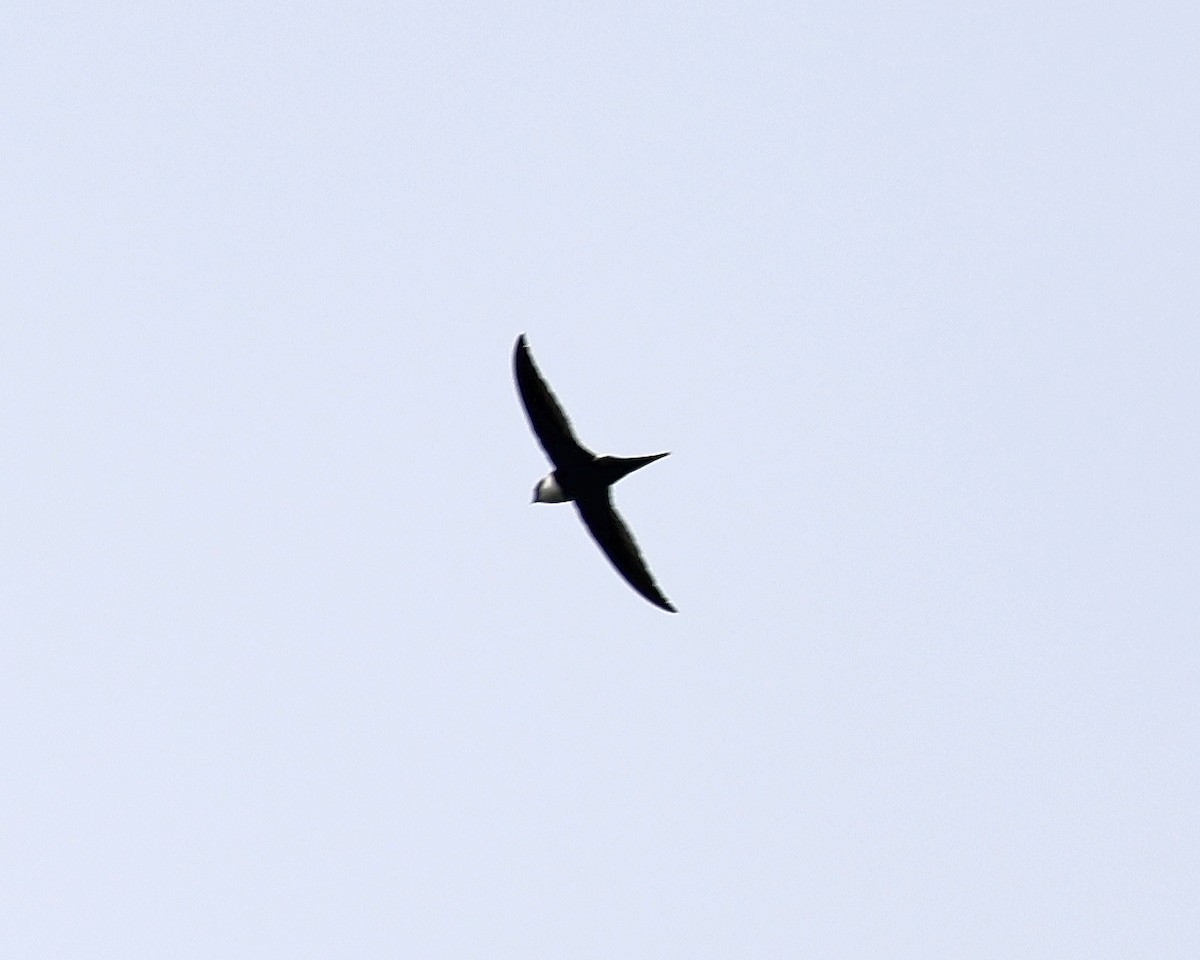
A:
[(581, 476)]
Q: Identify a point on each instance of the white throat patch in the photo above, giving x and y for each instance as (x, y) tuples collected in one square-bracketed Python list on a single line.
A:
[(548, 491)]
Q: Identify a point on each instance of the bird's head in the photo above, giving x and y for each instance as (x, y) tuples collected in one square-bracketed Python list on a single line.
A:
[(547, 490)]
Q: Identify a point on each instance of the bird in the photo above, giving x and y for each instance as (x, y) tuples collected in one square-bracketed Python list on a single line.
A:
[(581, 477)]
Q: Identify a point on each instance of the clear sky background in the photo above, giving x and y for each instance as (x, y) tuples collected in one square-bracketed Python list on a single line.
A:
[(289, 666)]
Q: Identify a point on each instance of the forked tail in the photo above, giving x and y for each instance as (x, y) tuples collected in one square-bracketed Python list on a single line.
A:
[(617, 467)]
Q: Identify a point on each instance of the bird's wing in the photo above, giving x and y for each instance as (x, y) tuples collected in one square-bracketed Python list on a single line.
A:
[(546, 416), (609, 530)]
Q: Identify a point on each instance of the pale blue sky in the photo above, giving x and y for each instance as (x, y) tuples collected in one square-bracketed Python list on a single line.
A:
[(291, 668)]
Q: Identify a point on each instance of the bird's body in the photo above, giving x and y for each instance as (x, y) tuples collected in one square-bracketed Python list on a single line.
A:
[(579, 482), (582, 477)]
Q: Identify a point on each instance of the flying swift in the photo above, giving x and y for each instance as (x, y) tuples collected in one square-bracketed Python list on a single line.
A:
[(581, 477)]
